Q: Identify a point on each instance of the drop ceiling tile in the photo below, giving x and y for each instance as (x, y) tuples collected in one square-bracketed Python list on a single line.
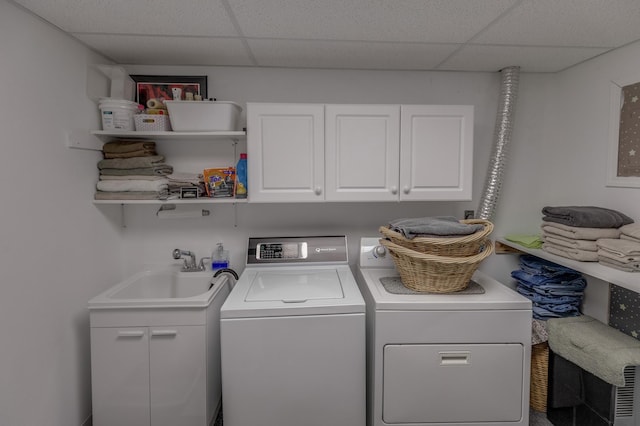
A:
[(144, 50), (584, 23), (433, 21), (528, 58), (348, 55), (147, 17)]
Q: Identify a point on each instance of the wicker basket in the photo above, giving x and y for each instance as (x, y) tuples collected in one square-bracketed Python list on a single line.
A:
[(425, 272), (466, 245), (539, 376)]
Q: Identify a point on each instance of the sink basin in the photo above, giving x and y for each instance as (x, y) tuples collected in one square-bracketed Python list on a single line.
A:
[(161, 287)]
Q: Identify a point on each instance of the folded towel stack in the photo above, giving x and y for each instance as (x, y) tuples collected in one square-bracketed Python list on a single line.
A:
[(132, 170), (622, 253), (128, 148), (572, 231), (555, 291)]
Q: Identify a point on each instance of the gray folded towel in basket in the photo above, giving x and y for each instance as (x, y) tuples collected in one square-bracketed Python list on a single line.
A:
[(441, 226)]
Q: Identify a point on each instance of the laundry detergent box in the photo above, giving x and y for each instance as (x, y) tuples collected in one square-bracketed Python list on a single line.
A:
[(220, 182)]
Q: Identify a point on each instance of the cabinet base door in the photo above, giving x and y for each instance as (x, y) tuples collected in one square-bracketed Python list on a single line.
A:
[(178, 382), (120, 376)]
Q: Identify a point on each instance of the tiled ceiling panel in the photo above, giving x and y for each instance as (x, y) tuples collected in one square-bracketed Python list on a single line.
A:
[(465, 35), (151, 17), (433, 21), (350, 55), (530, 58), (584, 23), (169, 50)]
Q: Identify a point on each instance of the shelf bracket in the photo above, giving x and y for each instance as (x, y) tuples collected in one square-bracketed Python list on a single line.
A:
[(83, 139), (123, 224)]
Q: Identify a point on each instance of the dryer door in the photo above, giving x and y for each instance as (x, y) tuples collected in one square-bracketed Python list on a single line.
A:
[(453, 383)]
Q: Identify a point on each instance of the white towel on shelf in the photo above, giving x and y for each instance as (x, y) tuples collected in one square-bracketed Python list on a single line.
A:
[(569, 253), (132, 185), (559, 240), (580, 233), (131, 177), (631, 230), (623, 266), (628, 238), (619, 247)]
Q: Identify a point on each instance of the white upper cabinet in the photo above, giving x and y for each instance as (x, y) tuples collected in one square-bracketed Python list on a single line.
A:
[(436, 152), (313, 152), (285, 147), (362, 152)]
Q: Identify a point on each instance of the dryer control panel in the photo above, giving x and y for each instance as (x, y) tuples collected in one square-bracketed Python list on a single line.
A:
[(373, 254), (279, 250)]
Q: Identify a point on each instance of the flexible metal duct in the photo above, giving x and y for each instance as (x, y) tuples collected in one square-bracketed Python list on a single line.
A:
[(504, 125)]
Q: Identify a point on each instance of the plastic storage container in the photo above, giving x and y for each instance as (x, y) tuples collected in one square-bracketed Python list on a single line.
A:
[(117, 114), (203, 116), (219, 258), (241, 177), (152, 123)]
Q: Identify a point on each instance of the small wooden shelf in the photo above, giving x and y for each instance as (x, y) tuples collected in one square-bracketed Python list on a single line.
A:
[(628, 280)]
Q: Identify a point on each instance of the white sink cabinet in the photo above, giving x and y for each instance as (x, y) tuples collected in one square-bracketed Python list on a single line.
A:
[(315, 152), (156, 362)]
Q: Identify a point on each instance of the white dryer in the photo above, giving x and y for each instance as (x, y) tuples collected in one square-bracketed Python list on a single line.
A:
[(293, 337), (443, 359)]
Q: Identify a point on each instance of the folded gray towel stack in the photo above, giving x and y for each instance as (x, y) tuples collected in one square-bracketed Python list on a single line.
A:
[(441, 226)]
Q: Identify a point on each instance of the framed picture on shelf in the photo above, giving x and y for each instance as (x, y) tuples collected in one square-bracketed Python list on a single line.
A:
[(168, 87)]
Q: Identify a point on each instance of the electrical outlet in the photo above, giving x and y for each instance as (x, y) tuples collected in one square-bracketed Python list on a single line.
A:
[(469, 214)]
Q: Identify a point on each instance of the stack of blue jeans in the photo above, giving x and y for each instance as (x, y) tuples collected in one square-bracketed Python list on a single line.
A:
[(556, 291)]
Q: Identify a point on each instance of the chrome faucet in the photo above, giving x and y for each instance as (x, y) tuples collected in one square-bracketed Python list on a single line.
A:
[(190, 262)]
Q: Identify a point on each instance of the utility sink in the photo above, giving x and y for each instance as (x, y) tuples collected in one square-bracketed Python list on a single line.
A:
[(168, 287), (155, 355)]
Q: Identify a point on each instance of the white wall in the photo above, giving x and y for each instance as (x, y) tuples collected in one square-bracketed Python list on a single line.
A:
[(58, 250)]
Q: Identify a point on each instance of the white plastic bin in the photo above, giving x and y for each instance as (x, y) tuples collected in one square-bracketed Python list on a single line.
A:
[(203, 116)]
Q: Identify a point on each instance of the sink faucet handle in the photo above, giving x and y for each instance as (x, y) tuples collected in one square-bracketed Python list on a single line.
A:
[(189, 263), (178, 253), (201, 265)]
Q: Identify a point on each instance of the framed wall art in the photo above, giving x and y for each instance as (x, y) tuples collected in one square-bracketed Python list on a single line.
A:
[(166, 87), (623, 165)]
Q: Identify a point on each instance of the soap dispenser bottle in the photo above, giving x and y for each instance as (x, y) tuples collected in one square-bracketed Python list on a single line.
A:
[(219, 258)]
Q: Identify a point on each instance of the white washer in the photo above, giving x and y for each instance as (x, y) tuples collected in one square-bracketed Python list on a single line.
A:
[(444, 359), (293, 337)]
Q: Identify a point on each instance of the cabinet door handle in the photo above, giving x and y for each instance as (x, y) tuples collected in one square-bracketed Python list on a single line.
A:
[(318, 190), (394, 190), (131, 334), (164, 333), (406, 190), (455, 358)]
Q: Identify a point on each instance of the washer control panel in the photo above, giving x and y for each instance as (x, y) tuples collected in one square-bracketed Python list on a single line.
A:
[(373, 254), (279, 250), (290, 250)]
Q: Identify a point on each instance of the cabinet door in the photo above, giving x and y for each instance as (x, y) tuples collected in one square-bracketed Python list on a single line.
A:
[(436, 152), (178, 381), (285, 146), (362, 152), (120, 376)]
